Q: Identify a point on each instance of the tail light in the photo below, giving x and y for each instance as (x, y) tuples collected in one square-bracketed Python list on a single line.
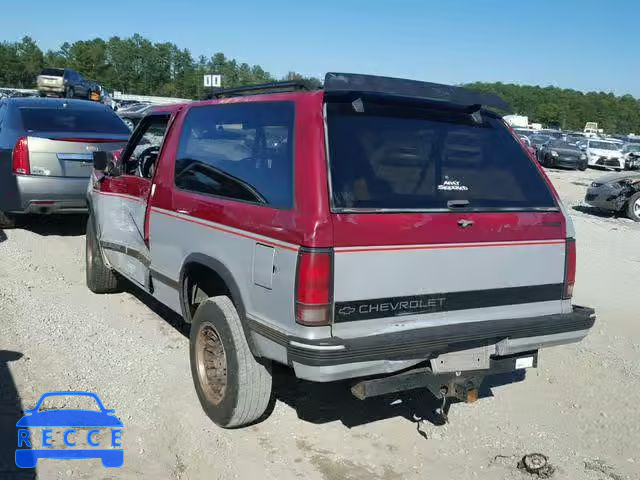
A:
[(569, 268), (20, 157), (313, 288)]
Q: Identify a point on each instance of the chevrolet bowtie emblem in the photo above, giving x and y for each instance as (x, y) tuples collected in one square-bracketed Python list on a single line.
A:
[(346, 310)]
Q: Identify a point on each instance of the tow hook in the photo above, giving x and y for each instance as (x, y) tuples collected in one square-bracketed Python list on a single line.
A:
[(464, 390)]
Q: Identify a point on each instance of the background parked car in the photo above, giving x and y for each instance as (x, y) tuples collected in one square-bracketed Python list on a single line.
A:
[(537, 141), (604, 153), (46, 148), (62, 82), (616, 192), (132, 116), (631, 155), (559, 153)]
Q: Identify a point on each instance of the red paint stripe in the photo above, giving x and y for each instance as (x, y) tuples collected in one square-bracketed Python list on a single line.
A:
[(220, 229), (439, 247), (128, 197)]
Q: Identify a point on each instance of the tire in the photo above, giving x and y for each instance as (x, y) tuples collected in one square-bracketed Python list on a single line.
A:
[(7, 221), (582, 167), (130, 125), (100, 278), (71, 92), (242, 392), (633, 207)]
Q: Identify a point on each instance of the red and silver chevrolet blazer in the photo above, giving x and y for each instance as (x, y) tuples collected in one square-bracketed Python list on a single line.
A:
[(390, 232)]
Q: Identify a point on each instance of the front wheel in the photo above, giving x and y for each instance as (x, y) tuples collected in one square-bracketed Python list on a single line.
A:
[(70, 92), (633, 207), (582, 167), (7, 220), (233, 387), (100, 278)]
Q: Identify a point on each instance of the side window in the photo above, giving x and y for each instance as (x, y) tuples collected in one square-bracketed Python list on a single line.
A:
[(240, 151), (141, 154), (3, 109)]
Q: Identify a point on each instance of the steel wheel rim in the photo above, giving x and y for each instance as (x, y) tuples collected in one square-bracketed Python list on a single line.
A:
[(211, 363), (636, 207)]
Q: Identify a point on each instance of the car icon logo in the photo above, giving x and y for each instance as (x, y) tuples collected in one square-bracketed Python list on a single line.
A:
[(346, 310), (29, 452)]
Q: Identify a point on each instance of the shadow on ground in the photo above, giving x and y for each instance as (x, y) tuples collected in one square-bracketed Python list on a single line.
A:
[(320, 403), (61, 225), (596, 212), (10, 412), (3, 236)]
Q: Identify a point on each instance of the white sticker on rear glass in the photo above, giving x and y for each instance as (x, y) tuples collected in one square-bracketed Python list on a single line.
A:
[(525, 362), (450, 184)]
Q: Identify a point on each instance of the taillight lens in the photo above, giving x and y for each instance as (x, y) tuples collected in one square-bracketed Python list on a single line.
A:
[(20, 157), (569, 268), (313, 288)]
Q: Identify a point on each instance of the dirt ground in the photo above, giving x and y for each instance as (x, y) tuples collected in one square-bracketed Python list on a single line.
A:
[(578, 408)]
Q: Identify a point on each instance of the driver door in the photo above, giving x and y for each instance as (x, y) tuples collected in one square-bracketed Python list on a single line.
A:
[(124, 195)]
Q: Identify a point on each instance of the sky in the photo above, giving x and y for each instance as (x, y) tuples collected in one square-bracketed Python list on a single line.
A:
[(581, 44)]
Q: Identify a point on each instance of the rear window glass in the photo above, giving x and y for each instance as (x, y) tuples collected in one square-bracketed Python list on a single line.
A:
[(242, 151), (53, 72), (95, 120), (412, 158)]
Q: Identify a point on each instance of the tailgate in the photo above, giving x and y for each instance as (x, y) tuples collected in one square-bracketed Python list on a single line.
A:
[(439, 217), (50, 81), (511, 266), (67, 157)]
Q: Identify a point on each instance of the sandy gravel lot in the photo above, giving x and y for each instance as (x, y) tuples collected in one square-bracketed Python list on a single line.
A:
[(579, 407)]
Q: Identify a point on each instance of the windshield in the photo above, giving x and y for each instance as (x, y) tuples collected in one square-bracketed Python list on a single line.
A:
[(53, 72), (604, 145), (539, 139), (562, 144), (408, 158), (89, 120), (631, 147)]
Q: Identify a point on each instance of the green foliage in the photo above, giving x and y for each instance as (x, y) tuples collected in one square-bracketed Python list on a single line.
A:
[(131, 65), (137, 65), (569, 109)]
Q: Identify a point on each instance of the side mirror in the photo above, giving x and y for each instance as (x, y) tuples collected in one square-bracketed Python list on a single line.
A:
[(100, 160), (107, 163)]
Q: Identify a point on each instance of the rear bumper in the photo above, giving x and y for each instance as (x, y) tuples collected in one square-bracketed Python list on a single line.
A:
[(40, 194), (50, 89), (336, 358), (567, 162)]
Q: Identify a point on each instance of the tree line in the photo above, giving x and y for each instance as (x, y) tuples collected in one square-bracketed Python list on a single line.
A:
[(138, 65), (569, 109), (131, 65)]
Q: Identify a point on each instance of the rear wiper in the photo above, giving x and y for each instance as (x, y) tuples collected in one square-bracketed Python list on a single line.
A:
[(457, 203)]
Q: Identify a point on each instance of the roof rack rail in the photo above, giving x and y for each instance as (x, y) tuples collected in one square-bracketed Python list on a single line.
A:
[(274, 87)]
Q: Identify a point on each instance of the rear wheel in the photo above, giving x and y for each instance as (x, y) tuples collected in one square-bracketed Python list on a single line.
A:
[(7, 220), (100, 278), (633, 207), (582, 166), (233, 387), (70, 92)]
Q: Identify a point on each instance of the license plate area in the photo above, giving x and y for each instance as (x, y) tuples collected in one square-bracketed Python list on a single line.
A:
[(465, 360)]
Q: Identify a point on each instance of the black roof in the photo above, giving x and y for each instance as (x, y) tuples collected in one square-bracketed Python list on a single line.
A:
[(341, 83)]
